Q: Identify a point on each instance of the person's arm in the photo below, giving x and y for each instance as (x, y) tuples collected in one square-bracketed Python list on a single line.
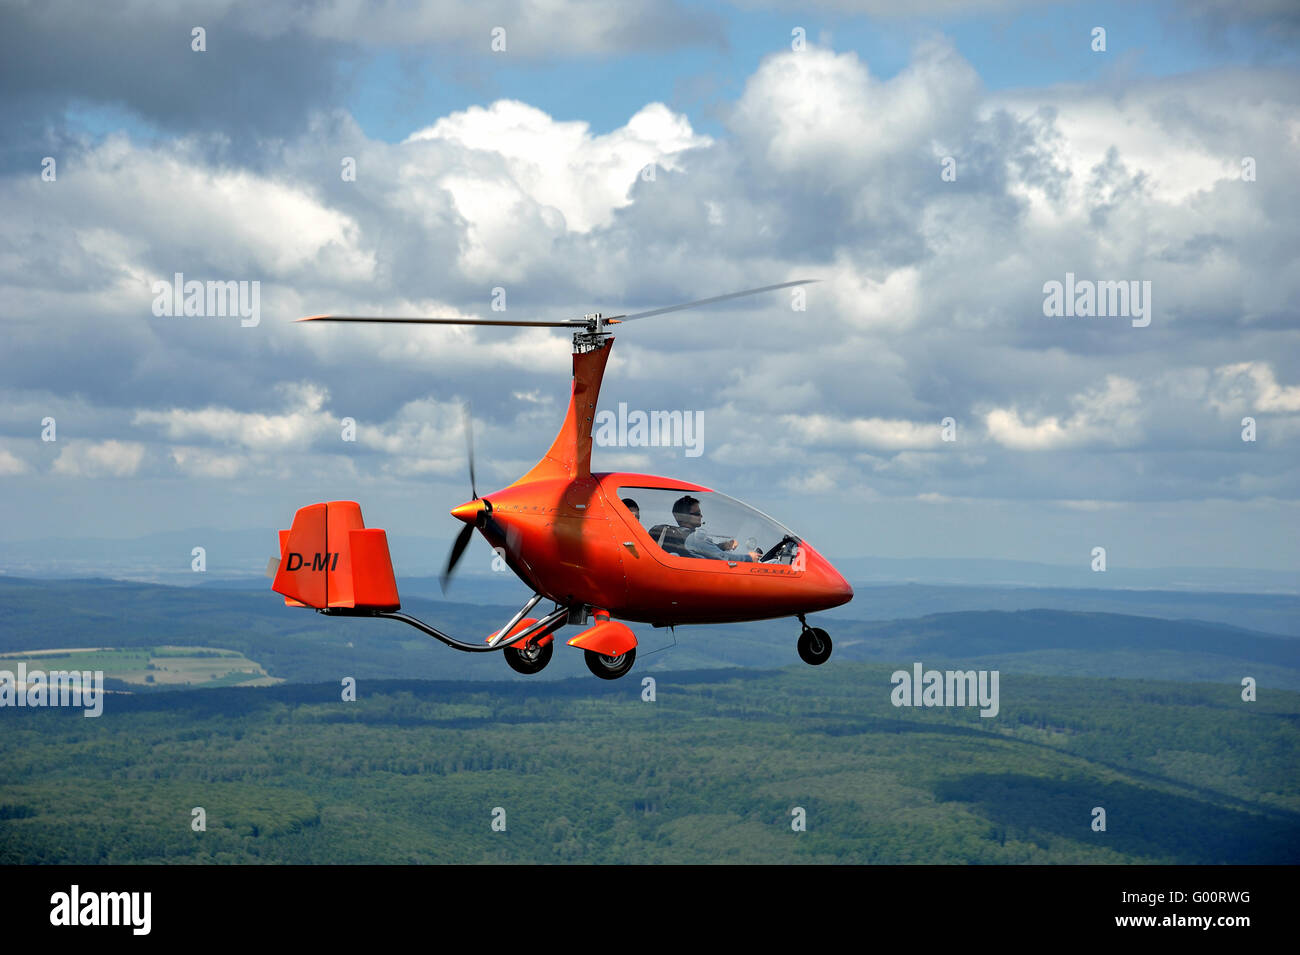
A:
[(700, 545)]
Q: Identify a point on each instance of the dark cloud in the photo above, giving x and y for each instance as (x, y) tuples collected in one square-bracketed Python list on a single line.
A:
[(62, 55)]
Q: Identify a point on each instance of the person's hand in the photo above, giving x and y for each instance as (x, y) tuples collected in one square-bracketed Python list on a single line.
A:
[(756, 555)]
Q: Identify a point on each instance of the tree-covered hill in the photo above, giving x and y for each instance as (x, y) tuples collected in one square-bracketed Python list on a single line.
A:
[(711, 770)]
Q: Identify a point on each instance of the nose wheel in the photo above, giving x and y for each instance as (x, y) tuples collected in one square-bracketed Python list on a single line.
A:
[(609, 668), (814, 645)]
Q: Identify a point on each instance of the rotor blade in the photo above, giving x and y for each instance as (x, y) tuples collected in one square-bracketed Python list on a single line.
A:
[(566, 323), (457, 549), (707, 301)]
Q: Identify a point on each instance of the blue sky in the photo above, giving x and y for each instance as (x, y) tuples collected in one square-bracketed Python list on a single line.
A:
[(1024, 46), (390, 90)]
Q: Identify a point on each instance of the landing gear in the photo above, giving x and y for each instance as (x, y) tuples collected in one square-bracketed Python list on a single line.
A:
[(530, 658), (609, 668), (814, 645)]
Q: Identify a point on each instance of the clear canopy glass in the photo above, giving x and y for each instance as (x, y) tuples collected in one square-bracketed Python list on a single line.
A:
[(708, 525)]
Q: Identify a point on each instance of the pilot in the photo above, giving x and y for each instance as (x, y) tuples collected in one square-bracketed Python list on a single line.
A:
[(632, 506), (689, 518)]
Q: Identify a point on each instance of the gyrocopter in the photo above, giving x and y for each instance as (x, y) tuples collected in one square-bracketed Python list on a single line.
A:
[(600, 548)]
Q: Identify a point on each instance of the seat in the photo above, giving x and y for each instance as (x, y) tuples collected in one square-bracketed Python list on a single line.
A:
[(671, 538)]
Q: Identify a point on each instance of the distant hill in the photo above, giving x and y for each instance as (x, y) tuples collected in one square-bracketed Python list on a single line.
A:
[(301, 646), (1269, 613), (165, 558)]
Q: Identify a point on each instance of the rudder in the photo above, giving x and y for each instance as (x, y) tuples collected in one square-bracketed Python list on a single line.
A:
[(328, 558)]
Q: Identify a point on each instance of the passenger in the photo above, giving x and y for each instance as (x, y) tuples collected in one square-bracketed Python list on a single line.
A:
[(689, 518), (632, 506)]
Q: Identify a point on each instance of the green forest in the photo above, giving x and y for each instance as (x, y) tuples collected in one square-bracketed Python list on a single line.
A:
[(711, 771)]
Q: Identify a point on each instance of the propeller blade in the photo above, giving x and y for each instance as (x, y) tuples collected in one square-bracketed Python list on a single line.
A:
[(469, 444), (565, 323), (457, 549), (489, 524), (707, 301)]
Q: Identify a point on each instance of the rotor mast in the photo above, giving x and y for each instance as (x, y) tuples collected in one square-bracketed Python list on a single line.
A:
[(569, 457)]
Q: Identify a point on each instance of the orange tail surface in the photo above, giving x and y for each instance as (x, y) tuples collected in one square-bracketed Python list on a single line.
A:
[(329, 558)]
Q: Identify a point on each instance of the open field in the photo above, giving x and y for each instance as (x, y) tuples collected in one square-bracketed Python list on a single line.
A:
[(158, 666)]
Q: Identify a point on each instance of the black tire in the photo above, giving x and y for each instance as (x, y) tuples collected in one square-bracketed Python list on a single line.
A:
[(609, 668), (814, 646), (529, 660)]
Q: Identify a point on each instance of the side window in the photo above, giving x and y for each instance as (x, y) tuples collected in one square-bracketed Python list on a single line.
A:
[(703, 525)]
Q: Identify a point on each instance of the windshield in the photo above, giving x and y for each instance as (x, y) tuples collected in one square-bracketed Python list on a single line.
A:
[(706, 525)]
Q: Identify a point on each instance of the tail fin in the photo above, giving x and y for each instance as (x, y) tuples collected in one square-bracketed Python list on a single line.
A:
[(329, 558)]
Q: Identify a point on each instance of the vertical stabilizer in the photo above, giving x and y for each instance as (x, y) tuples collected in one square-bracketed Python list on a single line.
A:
[(570, 455)]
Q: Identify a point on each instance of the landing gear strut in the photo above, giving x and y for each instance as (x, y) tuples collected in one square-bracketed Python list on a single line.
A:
[(814, 644)]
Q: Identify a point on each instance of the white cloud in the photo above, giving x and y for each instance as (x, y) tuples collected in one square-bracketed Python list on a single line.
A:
[(304, 422), (521, 172), (890, 303), (814, 481), (1251, 386), (99, 459), (206, 463), (1104, 415), (1090, 505), (820, 113), (127, 200), (614, 460), (424, 437), (11, 464), (878, 433)]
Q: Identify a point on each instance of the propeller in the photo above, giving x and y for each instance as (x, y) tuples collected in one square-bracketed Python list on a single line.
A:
[(482, 521), (457, 549), (462, 539), (469, 444)]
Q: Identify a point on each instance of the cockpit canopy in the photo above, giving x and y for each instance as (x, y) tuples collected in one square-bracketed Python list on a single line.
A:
[(709, 525)]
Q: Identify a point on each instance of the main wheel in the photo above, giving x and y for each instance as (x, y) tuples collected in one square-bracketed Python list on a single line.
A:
[(814, 646), (609, 668), (529, 659)]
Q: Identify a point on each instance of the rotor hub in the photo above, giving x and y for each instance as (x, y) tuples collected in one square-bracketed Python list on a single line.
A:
[(593, 335)]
